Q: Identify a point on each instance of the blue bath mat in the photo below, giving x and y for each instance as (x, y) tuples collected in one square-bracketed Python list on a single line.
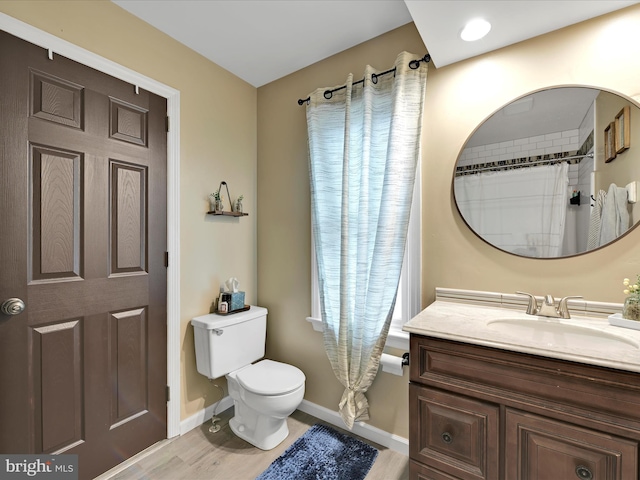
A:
[(322, 453)]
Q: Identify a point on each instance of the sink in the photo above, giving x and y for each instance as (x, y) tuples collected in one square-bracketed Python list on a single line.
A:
[(554, 333)]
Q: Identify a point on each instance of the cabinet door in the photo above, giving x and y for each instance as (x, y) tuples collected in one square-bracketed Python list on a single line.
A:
[(538, 448), (455, 434)]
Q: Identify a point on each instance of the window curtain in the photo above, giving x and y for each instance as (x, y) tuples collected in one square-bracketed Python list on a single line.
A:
[(522, 211), (364, 144)]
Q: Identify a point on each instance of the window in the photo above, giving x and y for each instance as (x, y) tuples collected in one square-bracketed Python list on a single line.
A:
[(409, 289)]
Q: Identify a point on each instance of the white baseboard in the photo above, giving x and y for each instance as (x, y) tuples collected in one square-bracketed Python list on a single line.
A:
[(194, 421), (362, 429), (386, 439)]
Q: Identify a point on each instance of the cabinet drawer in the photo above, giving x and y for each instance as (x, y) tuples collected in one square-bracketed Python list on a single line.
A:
[(455, 434), (509, 376), (418, 471), (538, 448)]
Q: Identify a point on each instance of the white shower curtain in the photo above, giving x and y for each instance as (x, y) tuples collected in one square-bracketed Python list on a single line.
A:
[(522, 211), (364, 146)]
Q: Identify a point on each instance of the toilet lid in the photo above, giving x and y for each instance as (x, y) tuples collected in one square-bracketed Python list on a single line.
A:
[(270, 378)]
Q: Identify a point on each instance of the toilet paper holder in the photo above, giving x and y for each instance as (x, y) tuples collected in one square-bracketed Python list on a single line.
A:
[(394, 364)]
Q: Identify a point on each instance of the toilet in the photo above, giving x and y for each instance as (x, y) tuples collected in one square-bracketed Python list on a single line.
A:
[(264, 393)]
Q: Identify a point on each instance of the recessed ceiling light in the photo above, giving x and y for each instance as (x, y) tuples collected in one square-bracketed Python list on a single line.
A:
[(475, 30)]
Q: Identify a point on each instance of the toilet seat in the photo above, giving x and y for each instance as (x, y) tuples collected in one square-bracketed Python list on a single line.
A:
[(270, 378)]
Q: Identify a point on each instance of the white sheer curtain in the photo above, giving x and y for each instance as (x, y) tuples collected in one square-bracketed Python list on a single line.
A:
[(364, 147), (522, 211)]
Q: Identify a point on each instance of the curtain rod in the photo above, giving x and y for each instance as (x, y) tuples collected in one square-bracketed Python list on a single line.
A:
[(413, 65), (511, 166)]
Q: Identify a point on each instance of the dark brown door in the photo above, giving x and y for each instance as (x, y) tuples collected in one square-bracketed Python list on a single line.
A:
[(82, 242)]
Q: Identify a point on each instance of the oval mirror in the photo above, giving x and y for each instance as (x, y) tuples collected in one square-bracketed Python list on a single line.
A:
[(552, 174)]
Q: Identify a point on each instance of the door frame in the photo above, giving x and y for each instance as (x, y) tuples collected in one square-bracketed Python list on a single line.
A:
[(78, 54)]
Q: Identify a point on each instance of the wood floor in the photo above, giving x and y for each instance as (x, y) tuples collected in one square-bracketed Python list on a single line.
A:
[(200, 454)]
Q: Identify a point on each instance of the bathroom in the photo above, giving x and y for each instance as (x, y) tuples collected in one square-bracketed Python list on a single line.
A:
[(255, 140)]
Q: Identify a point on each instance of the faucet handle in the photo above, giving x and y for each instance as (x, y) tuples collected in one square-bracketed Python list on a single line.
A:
[(532, 309), (563, 308)]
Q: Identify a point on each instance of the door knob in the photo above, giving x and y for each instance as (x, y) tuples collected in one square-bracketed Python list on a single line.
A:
[(12, 306)]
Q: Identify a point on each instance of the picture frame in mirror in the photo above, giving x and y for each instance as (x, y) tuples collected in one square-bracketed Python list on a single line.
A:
[(609, 142), (622, 130)]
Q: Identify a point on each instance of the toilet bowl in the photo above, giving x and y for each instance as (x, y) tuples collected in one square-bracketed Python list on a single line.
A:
[(264, 393)]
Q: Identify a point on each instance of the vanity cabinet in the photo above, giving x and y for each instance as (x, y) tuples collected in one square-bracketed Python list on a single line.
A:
[(479, 413)]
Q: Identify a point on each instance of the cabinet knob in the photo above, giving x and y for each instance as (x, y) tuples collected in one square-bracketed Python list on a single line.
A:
[(583, 473), (447, 437)]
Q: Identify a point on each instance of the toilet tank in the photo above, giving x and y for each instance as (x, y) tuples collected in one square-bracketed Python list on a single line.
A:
[(225, 343)]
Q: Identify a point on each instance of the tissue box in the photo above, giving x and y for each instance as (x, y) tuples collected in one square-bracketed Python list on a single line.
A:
[(236, 300)]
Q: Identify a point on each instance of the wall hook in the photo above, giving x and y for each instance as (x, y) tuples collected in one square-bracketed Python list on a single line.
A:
[(228, 195)]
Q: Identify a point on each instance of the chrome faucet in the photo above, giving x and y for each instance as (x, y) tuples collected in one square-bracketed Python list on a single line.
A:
[(547, 307)]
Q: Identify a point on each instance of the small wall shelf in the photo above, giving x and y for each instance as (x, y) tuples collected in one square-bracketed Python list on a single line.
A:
[(218, 203), (228, 214)]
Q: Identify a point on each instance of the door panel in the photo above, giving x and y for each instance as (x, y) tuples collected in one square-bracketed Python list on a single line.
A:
[(128, 218), (129, 333), (83, 216), (55, 99), (58, 384), (57, 185)]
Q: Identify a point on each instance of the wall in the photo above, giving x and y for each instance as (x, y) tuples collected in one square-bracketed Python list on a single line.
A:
[(458, 98), (218, 142)]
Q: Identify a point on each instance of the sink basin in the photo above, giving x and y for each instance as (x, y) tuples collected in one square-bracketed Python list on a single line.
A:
[(553, 333)]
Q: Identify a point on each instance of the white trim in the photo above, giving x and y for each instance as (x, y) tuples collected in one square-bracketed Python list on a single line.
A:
[(397, 339), (204, 415), (316, 323), (413, 254), (57, 45), (373, 434), (364, 430)]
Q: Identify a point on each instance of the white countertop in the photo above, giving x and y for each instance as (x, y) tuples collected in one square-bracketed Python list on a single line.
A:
[(605, 345)]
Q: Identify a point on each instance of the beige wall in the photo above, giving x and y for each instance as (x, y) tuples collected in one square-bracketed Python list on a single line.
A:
[(218, 142), (602, 53)]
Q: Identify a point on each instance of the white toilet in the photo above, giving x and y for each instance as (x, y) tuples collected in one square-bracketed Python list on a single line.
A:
[(264, 393)]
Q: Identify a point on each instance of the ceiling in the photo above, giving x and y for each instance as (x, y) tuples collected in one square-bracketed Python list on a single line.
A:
[(263, 40)]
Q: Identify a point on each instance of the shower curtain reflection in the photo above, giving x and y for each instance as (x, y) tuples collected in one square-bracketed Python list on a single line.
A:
[(522, 211)]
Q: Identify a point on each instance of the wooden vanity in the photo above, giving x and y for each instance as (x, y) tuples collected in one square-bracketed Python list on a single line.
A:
[(480, 412)]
